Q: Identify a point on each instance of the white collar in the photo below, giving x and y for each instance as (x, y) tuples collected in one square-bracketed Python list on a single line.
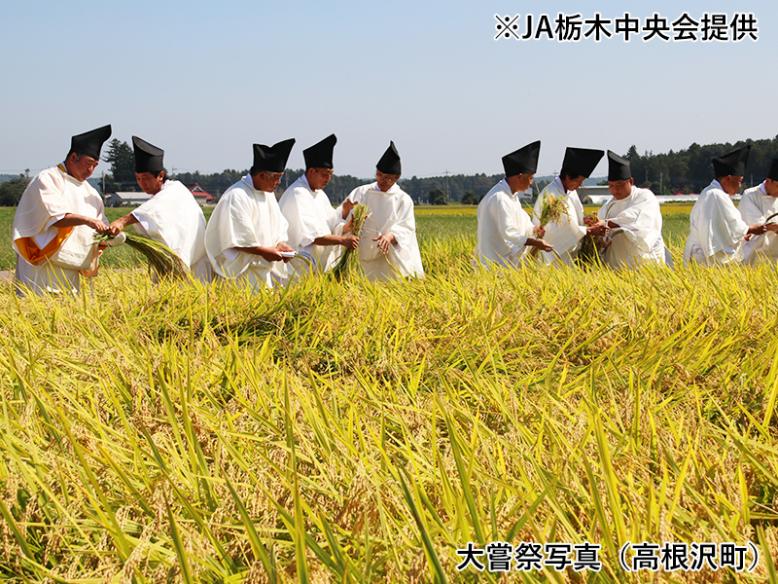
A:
[(558, 180), (306, 184), (249, 182), (64, 170), (507, 188), (392, 190)]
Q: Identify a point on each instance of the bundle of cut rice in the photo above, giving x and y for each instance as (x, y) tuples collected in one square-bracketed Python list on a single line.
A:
[(592, 249), (551, 211), (349, 262), (161, 259)]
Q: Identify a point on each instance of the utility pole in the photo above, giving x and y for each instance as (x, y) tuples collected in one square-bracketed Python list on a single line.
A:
[(661, 179), (448, 193)]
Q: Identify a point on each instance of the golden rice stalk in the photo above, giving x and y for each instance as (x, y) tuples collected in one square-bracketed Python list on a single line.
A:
[(552, 210), (348, 260), (161, 259), (592, 249)]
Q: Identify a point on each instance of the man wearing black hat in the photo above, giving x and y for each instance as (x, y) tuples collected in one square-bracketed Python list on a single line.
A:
[(756, 206), (315, 227), (716, 228), (57, 219), (566, 233), (389, 248), (505, 230), (631, 220), (247, 233), (171, 215)]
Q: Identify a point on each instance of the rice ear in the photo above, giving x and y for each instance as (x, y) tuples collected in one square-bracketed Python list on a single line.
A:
[(348, 261), (161, 259)]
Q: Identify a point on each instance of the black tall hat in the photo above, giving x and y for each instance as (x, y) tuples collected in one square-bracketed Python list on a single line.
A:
[(272, 158), (732, 163), (522, 161), (773, 174), (320, 154), (580, 161), (390, 161), (618, 167), (148, 158), (89, 143)]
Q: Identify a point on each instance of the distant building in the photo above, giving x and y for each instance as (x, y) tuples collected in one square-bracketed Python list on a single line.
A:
[(125, 199), (594, 194), (202, 196), (677, 198), (132, 199)]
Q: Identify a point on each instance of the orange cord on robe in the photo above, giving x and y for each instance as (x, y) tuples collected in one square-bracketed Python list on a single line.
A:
[(30, 251)]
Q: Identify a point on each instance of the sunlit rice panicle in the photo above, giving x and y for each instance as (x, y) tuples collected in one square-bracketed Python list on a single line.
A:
[(592, 248), (552, 210), (348, 261), (161, 259)]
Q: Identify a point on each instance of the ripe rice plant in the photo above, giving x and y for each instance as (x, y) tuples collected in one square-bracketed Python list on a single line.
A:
[(552, 210), (363, 432), (162, 260), (348, 261)]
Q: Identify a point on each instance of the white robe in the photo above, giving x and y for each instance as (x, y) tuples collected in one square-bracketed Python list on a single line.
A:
[(173, 217), (639, 239), (246, 217), (310, 215), (716, 229), (566, 234), (503, 228), (755, 207), (389, 212), (51, 195)]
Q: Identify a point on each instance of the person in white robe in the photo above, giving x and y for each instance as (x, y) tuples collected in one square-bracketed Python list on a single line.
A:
[(760, 205), (246, 237), (716, 228), (505, 231), (171, 216), (58, 216), (565, 234), (388, 246), (631, 221), (316, 229)]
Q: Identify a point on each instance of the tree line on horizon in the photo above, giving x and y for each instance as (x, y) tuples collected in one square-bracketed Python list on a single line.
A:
[(684, 171)]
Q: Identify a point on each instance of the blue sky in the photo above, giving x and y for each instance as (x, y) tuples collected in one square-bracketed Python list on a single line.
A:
[(204, 80)]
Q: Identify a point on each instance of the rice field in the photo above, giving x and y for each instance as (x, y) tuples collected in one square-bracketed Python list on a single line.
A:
[(356, 432), (432, 222)]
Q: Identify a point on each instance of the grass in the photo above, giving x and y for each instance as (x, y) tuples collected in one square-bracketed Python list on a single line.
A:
[(362, 432)]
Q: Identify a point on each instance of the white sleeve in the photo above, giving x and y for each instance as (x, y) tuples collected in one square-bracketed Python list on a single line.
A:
[(507, 225)]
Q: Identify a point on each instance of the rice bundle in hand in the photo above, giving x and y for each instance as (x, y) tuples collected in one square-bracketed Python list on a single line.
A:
[(553, 210), (592, 249), (161, 259), (348, 260)]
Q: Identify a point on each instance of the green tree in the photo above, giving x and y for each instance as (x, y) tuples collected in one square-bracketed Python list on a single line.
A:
[(122, 160), (437, 197), (11, 191), (469, 199)]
